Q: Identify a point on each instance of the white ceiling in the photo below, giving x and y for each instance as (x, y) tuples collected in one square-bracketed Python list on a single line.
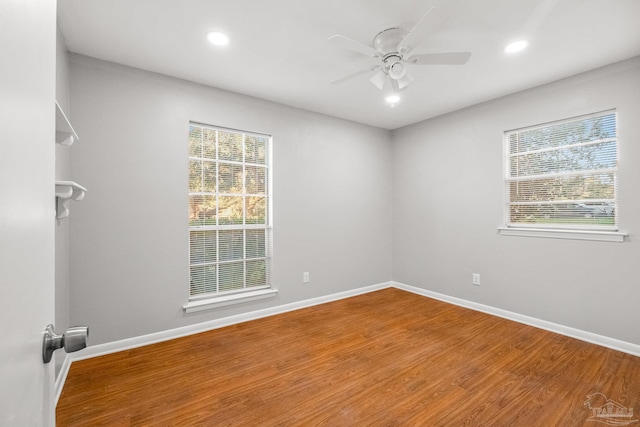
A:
[(279, 49)]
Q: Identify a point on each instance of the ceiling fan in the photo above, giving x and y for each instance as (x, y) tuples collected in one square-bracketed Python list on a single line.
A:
[(393, 47)]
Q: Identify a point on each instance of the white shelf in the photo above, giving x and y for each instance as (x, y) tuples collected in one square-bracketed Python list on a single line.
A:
[(65, 135), (65, 192)]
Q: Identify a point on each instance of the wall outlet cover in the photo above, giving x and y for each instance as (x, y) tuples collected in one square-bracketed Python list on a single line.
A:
[(476, 279)]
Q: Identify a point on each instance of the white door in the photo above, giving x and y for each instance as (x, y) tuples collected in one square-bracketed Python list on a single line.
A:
[(27, 219)]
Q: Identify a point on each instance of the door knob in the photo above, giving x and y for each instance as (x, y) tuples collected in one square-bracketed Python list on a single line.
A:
[(74, 339)]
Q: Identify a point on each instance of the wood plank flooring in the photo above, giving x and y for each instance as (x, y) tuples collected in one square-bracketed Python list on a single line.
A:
[(387, 358)]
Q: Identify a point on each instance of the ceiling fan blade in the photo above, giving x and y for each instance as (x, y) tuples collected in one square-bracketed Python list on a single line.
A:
[(404, 82), (429, 23), (379, 79), (354, 74), (347, 43), (447, 58)]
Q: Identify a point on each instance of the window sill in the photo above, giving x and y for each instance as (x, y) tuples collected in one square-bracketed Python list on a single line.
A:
[(602, 236), (207, 304)]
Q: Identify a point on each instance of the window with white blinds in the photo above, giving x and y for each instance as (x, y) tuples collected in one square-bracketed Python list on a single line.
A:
[(229, 218), (563, 174)]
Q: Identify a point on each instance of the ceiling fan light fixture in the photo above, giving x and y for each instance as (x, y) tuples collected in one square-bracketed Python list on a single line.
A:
[(379, 79), (397, 70), (516, 46), (404, 82), (218, 38)]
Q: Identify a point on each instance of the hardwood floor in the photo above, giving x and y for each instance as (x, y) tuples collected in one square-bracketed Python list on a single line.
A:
[(387, 358)]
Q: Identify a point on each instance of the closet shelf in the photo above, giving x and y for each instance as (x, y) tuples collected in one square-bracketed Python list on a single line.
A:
[(65, 135), (65, 192)]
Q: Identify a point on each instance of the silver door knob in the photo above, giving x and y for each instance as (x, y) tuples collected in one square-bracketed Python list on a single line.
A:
[(74, 339)]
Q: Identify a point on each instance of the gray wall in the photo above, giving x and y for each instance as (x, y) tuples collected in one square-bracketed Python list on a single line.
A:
[(332, 203), (129, 273), (448, 202)]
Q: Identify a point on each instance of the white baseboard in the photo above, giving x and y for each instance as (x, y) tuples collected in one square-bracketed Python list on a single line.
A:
[(623, 346), (62, 376), (129, 343)]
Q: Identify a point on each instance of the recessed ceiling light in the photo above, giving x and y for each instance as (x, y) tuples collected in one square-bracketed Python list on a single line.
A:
[(516, 46), (217, 38), (392, 99)]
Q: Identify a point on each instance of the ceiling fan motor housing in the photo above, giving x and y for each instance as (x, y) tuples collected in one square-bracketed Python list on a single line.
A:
[(387, 41)]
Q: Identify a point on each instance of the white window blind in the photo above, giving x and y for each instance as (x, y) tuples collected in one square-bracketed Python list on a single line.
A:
[(563, 174), (229, 218)]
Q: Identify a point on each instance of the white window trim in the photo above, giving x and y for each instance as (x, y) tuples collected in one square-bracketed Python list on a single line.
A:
[(210, 301), (221, 301), (602, 236), (557, 231)]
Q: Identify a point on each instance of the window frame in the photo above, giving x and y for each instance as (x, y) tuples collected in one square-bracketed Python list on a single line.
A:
[(559, 230), (198, 302)]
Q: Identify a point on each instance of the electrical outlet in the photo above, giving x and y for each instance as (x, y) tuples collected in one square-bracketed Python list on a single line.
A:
[(476, 279), (305, 277)]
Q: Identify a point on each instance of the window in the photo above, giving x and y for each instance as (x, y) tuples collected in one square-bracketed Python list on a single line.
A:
[(229, 213), (563, 175)]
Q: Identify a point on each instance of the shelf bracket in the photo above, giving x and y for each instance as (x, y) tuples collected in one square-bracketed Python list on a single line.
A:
[(65, 192)]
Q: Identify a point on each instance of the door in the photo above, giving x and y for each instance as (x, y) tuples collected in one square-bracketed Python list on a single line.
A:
[(27, 215)]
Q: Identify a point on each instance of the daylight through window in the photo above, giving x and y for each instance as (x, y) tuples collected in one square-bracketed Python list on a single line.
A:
[(563, 174), (229, 218)]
